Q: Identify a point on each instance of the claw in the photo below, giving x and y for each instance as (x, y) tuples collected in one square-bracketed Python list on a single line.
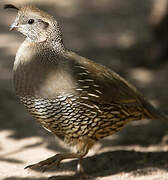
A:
[(29, 166), (44, 169), (53, 161), (33, 166)]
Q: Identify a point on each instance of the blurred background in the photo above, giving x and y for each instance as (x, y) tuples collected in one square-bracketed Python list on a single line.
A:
[(130, 37)]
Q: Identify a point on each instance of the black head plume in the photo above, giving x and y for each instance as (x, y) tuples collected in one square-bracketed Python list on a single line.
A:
[(10, 6)]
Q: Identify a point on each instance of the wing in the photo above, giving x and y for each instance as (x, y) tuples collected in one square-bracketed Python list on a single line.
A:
[(100, 85), (100, 81)]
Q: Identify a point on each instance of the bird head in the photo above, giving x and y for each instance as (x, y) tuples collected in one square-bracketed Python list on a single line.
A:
[(37, 25)]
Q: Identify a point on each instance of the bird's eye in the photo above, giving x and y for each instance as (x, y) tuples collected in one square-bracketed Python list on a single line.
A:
[(30, 21)]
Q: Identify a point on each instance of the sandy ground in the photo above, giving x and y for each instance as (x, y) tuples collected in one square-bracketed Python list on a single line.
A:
[(117, 34)]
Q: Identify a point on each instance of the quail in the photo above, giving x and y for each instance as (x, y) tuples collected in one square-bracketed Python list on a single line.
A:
[(73, 97)]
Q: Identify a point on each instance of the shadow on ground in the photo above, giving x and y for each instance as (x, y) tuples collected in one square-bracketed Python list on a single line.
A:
[(114, 162)]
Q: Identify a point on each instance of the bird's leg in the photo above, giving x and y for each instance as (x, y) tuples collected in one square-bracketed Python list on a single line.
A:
[(80, 166), (56, 159)]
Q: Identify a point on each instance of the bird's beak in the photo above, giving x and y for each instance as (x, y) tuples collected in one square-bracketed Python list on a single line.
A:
[(14, 26)]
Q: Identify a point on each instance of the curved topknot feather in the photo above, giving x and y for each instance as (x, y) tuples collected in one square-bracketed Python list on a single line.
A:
[(10, 6)]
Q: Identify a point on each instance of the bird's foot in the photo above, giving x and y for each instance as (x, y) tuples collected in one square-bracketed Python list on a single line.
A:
[(56, 159), (48, 163)]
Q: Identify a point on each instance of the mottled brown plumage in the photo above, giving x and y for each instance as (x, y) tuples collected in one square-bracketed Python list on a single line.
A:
[(71, 96)]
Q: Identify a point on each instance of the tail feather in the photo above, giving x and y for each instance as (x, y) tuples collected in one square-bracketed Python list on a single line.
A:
[(152, 113)]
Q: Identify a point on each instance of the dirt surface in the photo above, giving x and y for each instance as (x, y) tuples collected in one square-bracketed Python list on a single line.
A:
[(117, 34)]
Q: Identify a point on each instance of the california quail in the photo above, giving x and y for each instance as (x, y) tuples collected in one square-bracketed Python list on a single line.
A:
[(76, 99)]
